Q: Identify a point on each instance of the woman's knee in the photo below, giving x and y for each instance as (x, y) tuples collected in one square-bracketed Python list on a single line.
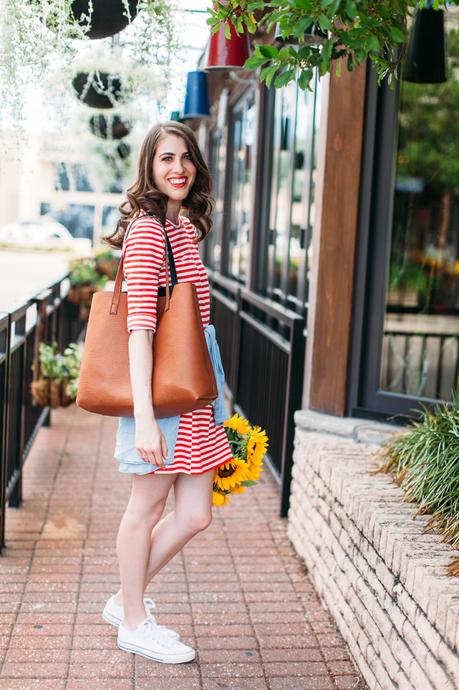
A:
[(145, 513), (196, 520)]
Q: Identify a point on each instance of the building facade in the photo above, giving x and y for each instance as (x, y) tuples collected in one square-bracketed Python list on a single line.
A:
[(334, 258)]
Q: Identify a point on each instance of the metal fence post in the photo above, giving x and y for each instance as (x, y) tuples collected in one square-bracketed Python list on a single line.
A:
[(4, 375)]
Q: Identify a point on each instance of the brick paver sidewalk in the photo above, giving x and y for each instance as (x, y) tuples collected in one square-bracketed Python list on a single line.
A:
[(237, 592)]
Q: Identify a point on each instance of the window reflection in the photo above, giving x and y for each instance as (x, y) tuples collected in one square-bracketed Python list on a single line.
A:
[(243, 133), (421, 329), (217, 171), (292, 194)]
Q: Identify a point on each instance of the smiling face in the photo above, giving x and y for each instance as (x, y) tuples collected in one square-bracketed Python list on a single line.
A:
[(173, 170)]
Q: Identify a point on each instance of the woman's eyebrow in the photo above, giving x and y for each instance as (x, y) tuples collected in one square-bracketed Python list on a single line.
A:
[(169, 153)]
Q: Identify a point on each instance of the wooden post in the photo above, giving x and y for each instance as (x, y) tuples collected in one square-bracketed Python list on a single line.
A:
[(334, 241)]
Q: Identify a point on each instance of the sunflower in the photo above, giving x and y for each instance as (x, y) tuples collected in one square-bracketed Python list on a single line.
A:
[(237, 423), (257, 443), (230, 474), (219, 499)]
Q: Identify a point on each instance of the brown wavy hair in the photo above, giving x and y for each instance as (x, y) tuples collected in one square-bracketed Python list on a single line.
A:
[(143, 194)]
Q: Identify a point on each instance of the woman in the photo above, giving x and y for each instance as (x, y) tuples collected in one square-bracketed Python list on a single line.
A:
[(172, 175)]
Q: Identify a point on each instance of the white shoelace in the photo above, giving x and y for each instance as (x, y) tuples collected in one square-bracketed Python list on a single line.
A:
[(150, 630)]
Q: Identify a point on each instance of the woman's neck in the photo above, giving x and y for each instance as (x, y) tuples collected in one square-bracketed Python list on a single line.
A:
[(173, 211)]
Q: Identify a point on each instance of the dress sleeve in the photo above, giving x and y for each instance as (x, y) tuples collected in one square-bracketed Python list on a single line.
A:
[(144, 252)]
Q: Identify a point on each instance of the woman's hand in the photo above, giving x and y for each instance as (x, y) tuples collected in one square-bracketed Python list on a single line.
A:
[(150, 442)]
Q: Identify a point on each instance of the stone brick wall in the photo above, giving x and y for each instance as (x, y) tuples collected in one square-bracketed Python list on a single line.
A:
[(380, 575)]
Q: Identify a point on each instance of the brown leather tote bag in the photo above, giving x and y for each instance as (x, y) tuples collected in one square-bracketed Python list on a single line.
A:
[(182, 379)]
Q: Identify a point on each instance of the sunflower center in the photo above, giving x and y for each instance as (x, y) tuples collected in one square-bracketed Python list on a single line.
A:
[(226, 472)]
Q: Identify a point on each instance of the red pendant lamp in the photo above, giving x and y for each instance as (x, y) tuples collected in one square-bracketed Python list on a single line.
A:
[(225, 53)]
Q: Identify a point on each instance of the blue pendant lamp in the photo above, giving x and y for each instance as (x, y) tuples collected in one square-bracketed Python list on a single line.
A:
[(197, 96)]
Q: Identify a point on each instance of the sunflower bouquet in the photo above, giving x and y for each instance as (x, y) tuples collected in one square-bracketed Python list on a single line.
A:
[(248, 446)]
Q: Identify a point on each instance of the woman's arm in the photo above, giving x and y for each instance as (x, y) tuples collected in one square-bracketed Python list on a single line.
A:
[(143, 255), (150, 442)]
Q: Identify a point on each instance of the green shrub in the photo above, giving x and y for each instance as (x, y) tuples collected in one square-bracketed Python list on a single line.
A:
[(425, 463)]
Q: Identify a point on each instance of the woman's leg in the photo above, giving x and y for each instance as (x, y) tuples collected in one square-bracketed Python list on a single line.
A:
[(192, 513), (144, 509)]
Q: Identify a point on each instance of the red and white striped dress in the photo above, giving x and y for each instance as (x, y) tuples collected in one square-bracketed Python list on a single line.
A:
[(201, 445)]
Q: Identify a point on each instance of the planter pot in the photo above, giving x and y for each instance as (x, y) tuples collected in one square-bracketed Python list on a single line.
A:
[(55, 393), (81, 294), (84, 312), (46, 392), (111, 128), (108, 16), (40, 392), (65, 398), (107, 267), (97, 89)]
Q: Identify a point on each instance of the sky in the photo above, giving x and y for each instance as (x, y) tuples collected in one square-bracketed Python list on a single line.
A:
[(193, 31)]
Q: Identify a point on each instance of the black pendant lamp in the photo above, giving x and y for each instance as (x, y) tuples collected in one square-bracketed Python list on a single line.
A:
[(426, 54)]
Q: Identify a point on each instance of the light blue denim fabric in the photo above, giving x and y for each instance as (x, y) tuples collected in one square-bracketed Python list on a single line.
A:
[(125, 451)]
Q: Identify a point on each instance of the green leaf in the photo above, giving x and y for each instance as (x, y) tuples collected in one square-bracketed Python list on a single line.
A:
[(372, 43), (324, 23), (248, 482), (267, 50), (351, 9), (227, 32), (305, 78), (284, 78), (255, 61), (397, 34), (267, 74)]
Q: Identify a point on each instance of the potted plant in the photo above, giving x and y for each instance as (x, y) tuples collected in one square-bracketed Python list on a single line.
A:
[(55, 375), (84, 281), (107, 263)]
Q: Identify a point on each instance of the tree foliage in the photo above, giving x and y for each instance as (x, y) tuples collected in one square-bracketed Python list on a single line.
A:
[(354, 31)]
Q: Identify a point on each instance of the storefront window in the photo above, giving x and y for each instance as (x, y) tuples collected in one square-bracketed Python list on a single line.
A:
[(243, 138), (420, 354), (292, 194), (217, 161)]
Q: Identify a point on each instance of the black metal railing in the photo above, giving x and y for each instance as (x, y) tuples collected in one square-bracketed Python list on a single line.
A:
[(44, 318), (424, 364), (262, 346)]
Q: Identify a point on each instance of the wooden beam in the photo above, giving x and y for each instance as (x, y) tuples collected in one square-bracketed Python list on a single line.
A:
[(335, 246)]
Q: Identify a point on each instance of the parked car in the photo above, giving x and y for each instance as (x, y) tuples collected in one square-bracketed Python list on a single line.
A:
[(42, 233)]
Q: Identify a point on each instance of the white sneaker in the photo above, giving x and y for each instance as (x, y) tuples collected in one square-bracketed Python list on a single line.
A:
[(151, 642), (113, 613)]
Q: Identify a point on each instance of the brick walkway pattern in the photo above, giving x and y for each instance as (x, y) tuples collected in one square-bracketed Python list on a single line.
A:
[(237, 592)]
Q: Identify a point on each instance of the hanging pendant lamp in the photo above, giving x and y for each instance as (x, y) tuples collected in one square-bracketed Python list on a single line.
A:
[(227, 53), (197, 95), (426, 54)]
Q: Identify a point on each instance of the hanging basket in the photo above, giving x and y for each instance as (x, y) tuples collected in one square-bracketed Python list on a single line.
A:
[(108, 127), (98, 89), (108, 17)]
